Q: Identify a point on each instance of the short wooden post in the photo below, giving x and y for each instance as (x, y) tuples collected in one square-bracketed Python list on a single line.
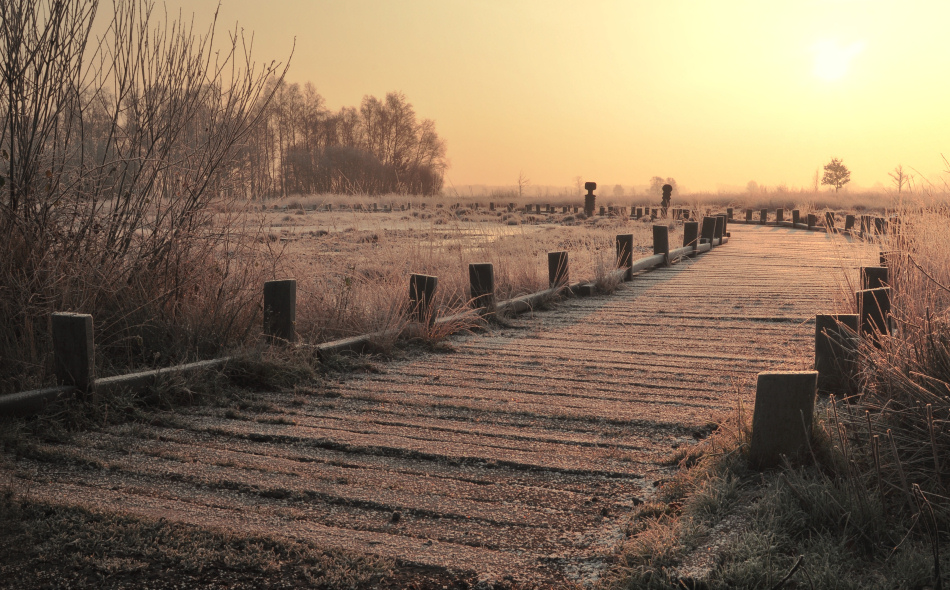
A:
[(720, 227), (748, 215), (589, 199), (491, 205), (874, 309), (830, 221), (280, 310), (835, 345), (782, 418), (796, 216), (779, 215), (812, 220), (874, 277), (691, 234), (880, 225), (74, 354), (421, 297), (481, 277), (848, 222), (557, 269), (764, 216), (709, 229), (603, 210), (661, 242), (625, 253)]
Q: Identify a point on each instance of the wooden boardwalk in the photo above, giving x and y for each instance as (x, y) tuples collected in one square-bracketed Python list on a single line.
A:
[(519, 453)]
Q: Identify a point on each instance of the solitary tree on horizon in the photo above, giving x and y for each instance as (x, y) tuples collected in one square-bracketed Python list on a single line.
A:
[(836, 174), (901, 178)]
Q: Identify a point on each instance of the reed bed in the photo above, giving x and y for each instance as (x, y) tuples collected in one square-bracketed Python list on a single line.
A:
[(353, 276)]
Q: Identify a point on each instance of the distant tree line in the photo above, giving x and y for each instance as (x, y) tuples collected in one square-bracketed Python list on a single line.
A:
[(302, 147)]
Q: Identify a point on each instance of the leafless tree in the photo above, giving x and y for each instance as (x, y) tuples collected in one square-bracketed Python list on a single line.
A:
[(900, 178), (523, 182), (114, 149)]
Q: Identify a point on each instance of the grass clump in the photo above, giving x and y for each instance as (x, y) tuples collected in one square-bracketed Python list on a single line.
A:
[(719, 524)]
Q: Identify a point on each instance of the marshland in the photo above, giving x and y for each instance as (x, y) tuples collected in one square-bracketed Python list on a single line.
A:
[(158, 168)]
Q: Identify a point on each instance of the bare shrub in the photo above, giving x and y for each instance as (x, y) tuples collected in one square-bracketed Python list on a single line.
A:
[(116, 153)]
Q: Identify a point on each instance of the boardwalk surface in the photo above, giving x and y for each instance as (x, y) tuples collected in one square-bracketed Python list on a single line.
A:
[(519, 453)]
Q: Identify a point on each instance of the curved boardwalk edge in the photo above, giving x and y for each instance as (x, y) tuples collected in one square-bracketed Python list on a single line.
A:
[(519, 453)]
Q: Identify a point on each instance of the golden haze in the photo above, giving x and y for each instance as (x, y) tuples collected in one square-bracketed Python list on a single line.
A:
[(714, 94)]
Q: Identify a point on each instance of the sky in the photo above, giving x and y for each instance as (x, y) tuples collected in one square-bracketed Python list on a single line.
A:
[(714, 93)]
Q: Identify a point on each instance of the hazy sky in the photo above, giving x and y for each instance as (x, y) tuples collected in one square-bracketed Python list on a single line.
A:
[(714, 93)]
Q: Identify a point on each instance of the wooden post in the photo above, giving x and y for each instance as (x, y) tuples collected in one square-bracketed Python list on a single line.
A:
[(589, 199), (481, 277), (874, 309), (661, 242), (729, 213), (280, 310), (779, 215), (491, 205), (691, 234), (74, 354), (557, 269), (848, 222), (603, 210), (812, 220), (830, 221), (720, 227), (782, 418), (625, 253), (796, 216), (748, 215), (421, 297), (709, 229), (639, 212), (835, 345), (764, 216), (873, 277)]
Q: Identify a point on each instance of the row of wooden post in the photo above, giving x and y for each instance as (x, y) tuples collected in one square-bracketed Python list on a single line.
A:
[(74, 347), (865, 224), (785, 402)]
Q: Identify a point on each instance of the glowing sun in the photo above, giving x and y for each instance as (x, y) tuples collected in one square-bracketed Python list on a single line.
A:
[(833, 60)]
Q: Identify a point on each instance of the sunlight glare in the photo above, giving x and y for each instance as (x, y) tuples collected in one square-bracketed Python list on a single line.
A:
[(832, 60)]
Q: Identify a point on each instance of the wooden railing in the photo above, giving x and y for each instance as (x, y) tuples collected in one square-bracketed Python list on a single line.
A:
[(74, 344)]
